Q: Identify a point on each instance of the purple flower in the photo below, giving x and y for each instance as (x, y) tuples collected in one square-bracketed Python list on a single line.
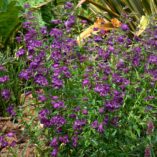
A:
[(26, 25), (111, 49), (43, 30), (42, 98), (41, 80), (147, 152), (33, 65), (70, 22), (56, 56), (20, 52), (95, 29), (101, 128), (112, 105), (18, 39), (57, 121), (58, 104), (68, 5), (97, 38), (103, 90), (25, 74), (85, 111), (84, 21), (12, 144), (137, 50), (4, 79), (124, 27), (106, 120), (56, 32), (4, 144), (94, 124), (54, 152), (120, 64), (57, 83), (85, 82), (10, 134), (64, 139), (152, 59), (56, 21), (74, 141), (54, 142), (43, 114), (72, 116), (11, 111), (120, 39), (136, 60), (5, 93), (78, 124), (101, 110), (26, 6)]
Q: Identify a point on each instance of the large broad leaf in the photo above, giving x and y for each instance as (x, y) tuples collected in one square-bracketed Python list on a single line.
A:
[(143, 25), (9, 21)]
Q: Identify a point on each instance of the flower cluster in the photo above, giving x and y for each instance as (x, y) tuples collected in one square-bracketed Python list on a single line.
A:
[(95, 92)]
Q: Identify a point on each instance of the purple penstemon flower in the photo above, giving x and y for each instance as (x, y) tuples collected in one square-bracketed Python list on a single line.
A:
[(85, 111), (56, 32), (54, 142), (42, 98), (70, 22), (56, 21), (20, 52), (58, 104), (43, 114), (43, 30), (103, 90), (86, 82), (64, 139), (41, 80), (101, 128), (153, 59), (98, 38), (11, 110), (25, 74), (75, 141), (5, 93), (57, 83), (124, 27), (94, 124), (54, 152), (4, 79), (57, 121), (78, 124), (147, 152), (68, 5)]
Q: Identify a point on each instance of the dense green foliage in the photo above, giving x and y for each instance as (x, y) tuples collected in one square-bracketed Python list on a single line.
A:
[(97, 99)]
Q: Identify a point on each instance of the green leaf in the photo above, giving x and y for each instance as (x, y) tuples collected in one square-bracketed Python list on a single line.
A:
[(9, 21), (143, 24), (3, 5)]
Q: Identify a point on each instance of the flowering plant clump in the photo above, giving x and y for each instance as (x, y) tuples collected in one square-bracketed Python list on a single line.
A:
[(98, 99), (10, 86)]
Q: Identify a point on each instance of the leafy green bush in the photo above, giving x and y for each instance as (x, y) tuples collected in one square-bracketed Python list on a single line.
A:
[(94, 100)]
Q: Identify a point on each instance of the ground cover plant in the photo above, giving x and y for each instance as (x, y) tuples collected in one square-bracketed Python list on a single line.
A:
[(93, 100)]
